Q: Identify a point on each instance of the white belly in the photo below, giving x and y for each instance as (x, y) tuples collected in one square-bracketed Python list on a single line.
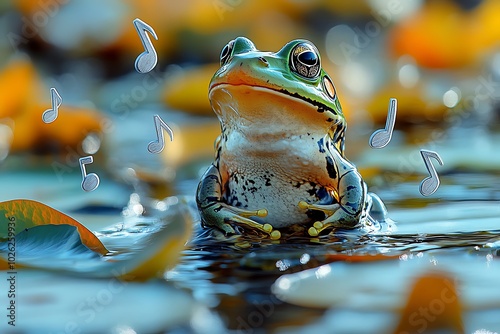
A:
[(266, 191)]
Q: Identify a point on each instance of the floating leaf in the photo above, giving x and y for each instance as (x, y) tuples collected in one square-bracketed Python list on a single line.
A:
[(48, 246), (433, 304), (59, 248), (416, 294), (52, 303), (162, 252), (23, 214)]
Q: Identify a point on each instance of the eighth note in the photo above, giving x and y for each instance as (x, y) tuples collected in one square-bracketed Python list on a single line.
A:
[(146, 61), (431, 183), (382, 137), (50, 115), (158, 145), (90, 182)]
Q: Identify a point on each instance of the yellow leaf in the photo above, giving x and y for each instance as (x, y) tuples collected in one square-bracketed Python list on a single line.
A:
[(432, 304), (188, 90), (163, 251), (20, 214), (18, 81)]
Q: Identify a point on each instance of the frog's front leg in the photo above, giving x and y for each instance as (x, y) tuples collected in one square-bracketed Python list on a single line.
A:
[(351, 198), (346, 213), (214, 212)]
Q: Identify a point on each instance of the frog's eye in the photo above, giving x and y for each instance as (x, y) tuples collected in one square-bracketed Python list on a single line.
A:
[(329, 87), (304, 60), (226, 53)]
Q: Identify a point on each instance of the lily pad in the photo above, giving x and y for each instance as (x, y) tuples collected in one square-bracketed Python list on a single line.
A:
[(48, 246), (52, 303), (59, 247), (371, 297), (19, 215)]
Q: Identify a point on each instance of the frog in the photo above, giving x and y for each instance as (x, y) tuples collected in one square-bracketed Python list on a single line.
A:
[(279, 160)]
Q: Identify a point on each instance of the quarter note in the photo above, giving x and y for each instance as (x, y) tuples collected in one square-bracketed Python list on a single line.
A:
[(157, 146), (431, 183), (50, 115), (90, 182), (382, 137), (146, 61)]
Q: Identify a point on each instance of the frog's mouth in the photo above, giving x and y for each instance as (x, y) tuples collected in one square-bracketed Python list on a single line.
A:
[(331, 114)]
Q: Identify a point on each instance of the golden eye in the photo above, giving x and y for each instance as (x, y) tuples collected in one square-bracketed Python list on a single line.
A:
[(304, 60), (226, 53), (329, 87)]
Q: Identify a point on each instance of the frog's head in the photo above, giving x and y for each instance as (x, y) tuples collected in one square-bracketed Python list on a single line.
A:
[(285, 89)]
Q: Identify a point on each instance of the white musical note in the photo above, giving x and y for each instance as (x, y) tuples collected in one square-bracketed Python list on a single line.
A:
[(146, 61), (50, 115), (90, 182), (430, 184), (382, 137), (157, 146)]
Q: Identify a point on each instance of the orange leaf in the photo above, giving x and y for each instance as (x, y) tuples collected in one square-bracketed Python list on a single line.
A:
[(19, 84), (20, 214), (433, 304)]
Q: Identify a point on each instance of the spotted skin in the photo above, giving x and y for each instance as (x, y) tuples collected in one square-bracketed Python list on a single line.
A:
[(280, 156)]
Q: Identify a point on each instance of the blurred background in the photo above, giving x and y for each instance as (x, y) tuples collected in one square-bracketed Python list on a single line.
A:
[(440, 59)]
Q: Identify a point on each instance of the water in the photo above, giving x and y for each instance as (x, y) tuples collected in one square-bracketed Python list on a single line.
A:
[(235, 277), (455, 229)]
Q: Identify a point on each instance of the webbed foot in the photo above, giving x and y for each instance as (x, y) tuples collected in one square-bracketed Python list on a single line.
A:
[(215, 212), (336, 217), (220, 215)]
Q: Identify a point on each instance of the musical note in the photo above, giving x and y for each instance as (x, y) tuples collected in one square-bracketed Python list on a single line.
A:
[(146, 61), (90, 182), (50, 115), (157, 146), (431, 183), (382, 137)]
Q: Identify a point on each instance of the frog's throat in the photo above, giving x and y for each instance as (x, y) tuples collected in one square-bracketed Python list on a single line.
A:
[(269, 111)]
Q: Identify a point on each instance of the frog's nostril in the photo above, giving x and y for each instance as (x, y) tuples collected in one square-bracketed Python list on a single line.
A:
[(262, 59)]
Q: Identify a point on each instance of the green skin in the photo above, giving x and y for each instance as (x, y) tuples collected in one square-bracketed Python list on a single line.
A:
[(280, 157)]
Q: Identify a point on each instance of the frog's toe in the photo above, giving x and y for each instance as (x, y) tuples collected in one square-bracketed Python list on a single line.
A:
[(266, 228), (339, 219), (337, 216), (222, 215), (331, 210), (318, 227), (313, 231), (328, 209), (249, 213)]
